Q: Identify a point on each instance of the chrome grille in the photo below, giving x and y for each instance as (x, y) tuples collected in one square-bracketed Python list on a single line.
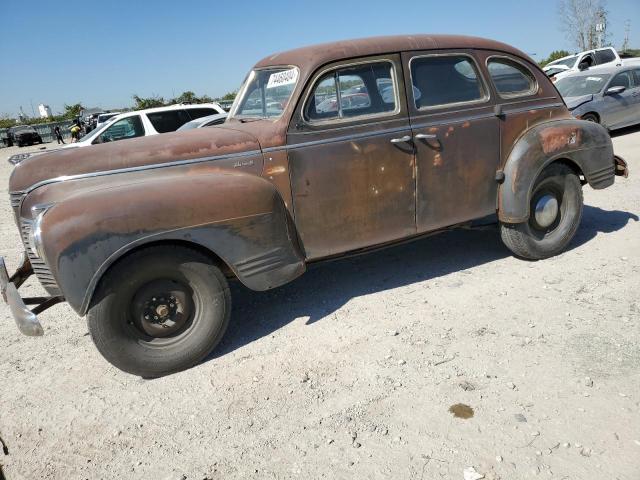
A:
[(16, 200), (39, 266)]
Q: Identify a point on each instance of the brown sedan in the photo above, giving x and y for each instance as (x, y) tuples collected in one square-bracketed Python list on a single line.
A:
[(328, 150)]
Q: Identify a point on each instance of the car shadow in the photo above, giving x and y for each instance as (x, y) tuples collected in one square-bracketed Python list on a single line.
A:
[(326, 287), (625, 131)]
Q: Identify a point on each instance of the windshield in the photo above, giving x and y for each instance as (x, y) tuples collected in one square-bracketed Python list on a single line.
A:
[(581, 85), (93, 133), (567, 62), (265, 93)]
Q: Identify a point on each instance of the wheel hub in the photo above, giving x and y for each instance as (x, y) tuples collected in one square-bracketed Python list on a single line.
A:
[(161, 308), (546, 210)]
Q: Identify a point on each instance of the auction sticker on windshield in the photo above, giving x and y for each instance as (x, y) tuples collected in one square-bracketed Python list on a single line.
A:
[(285, 77)]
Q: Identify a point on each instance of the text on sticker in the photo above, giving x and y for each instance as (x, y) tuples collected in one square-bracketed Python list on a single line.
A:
[(286, 77)]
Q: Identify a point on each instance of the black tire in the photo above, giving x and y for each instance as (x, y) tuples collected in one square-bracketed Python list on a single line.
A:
[(116, 315), (531, 241), (590, 117)]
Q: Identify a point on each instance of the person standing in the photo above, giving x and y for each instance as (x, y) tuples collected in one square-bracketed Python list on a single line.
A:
[(58, 135)]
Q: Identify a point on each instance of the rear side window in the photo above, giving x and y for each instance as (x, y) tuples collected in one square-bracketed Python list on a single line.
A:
[(510, 78), (356, 91), (604, 56), (441, 80), (195, 113), (169, 120)]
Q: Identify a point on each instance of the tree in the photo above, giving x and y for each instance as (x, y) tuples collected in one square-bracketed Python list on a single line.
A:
[(72, 111), (555, 55), (229, 96), (151, 102), (579, 20)]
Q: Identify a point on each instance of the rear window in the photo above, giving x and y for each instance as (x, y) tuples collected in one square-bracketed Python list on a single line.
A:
[(195, 113), (510, 78), (441, 80), (169, 120), (605, 56)]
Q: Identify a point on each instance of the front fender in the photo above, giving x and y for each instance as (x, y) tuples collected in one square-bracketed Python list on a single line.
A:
[(238, 216), (584, 145)]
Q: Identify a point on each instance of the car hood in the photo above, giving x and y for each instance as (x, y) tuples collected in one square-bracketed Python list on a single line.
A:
[(138, 152), (575, 102)]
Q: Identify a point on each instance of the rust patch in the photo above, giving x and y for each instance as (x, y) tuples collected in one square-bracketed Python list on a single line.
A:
[(437, 160), (466, 124), (554, 139), (460, 410)]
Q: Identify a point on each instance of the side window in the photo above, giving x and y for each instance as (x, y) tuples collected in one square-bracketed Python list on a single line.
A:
[(636, 73), (587, 60), (195, 113), (605, 56), (510, 78), (169, 120), (360, 90), (129, 127), (440, 80), (622, 80)]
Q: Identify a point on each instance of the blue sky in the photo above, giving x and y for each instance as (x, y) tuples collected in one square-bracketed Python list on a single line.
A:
[(101, 53)]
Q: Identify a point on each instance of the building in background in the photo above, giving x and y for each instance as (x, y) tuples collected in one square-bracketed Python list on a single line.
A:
[(45, 110)]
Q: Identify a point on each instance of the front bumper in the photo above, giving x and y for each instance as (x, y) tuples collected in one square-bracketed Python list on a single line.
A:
[(26, 319)]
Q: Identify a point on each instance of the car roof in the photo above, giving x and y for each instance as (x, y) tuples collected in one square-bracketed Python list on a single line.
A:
[(315, 56), (177, 106)]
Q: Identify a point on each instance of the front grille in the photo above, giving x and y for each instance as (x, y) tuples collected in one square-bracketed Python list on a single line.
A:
[(39, 266), (16, 201)]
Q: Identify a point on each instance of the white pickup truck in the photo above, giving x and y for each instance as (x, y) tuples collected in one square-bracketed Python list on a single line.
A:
[(590, 59)]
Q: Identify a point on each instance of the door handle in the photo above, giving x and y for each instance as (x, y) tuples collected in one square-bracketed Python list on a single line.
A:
[(405, 139), (426, 136), (430, 139)]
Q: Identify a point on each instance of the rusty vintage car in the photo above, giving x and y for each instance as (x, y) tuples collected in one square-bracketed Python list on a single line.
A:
[(328, 150)]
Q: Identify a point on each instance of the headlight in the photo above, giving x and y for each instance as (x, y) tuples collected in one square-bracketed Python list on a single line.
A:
[(35, 235)]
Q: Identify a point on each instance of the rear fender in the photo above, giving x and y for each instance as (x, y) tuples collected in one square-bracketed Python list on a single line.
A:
[(239, 217), (586, 146)]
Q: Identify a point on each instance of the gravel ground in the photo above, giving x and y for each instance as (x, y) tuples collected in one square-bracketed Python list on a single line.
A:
[(350, 371)]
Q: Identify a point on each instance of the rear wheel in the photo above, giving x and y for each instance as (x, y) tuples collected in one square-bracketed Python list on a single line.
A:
[(162, 310), (590, 117), (554, 216)]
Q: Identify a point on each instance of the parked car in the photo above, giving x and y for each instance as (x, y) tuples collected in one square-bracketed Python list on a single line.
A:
[(22, 135), (590, 59), (139, 123), (609, 96), (143, 236), (103, 117), (208, 121)]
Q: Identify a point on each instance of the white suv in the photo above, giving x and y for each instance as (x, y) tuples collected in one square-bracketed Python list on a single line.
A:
[(591, 59), (141, 123)]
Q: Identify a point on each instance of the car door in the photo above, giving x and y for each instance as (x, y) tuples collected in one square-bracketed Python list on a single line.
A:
[(618, 108), (352, 161), (456, 135)]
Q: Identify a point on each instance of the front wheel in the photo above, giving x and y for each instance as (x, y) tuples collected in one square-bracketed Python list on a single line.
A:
[(162, 310), (555, 211)]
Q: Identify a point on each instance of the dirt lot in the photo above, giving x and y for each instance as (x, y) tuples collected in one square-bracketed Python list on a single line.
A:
[(350, 371)]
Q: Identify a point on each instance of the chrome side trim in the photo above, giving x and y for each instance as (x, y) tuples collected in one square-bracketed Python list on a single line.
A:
[(353, 136), (534, 107), (447, 121), (139, 168)]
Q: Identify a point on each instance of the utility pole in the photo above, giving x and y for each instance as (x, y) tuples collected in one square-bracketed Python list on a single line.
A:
[(627, 29), (601, 27)]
